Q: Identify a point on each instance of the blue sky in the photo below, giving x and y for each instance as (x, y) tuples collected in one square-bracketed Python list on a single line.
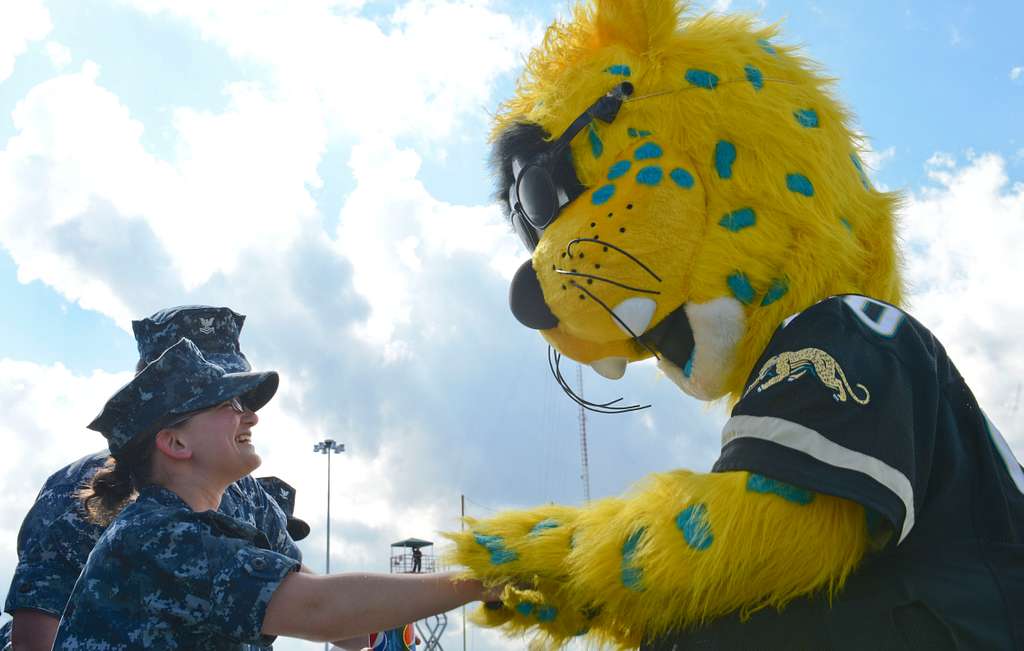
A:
[(324, 172)]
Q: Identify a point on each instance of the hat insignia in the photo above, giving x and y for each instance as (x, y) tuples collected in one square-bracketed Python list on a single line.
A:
[(206, 325)]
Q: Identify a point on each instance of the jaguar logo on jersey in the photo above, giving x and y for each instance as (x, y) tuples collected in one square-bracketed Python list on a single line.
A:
[(793, 365), (206, 325)]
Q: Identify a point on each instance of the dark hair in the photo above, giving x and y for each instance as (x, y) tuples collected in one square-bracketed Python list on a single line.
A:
[(139, 365), (117, 483)]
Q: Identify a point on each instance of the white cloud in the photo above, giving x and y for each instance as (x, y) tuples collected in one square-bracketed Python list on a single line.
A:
[(1016, 73), (876, 159), (46, 409), (962, 237), (411, 78), (20, 23), (80, 181), (59, 54), (238, 184), (410, 229)]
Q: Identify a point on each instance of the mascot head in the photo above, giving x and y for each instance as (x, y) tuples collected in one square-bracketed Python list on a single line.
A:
[(684, 184)]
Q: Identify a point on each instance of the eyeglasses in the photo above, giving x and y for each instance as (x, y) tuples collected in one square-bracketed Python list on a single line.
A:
[(534, 198), (235, 404)]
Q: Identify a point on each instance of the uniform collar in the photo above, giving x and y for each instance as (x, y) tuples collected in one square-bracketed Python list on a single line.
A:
[(162, 496), (220, 522)]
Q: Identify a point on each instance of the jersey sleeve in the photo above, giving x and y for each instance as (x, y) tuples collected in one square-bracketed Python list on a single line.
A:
[(842, 403)]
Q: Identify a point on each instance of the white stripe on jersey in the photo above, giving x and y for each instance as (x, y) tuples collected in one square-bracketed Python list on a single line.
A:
[(804, 439)]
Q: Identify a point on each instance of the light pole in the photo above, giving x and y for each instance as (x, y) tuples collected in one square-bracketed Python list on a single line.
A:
[(327, 446)]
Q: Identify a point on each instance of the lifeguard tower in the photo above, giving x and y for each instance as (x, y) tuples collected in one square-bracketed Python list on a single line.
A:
[(404, 553), (415, 556)]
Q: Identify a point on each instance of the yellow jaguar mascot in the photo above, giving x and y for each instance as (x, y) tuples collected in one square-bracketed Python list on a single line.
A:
[(691, 190)]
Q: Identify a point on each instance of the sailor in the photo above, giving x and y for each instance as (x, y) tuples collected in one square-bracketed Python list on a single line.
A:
[(55, 537), (171, 572)]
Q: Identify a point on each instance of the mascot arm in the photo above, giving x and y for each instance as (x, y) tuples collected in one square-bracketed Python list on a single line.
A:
[(681, 549)]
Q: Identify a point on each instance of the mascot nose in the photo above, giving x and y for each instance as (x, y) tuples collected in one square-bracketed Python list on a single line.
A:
[(527, 301)]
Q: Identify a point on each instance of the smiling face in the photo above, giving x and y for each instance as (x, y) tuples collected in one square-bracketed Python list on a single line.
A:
[(220, 439), (726, 194)]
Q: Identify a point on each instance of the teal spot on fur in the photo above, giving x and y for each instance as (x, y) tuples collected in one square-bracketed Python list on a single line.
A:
[(649, 175), (524, 608), (637, 133), (845, 222), (629, 547), (647, 151), (618, 169), (702, 78), (496, 546), (631, 575), (619, 69), (632, 578), (777, 290), (725, 156), (800, 184), (860, 171), (740, 287), (546, 613), (544, 525), (682, 178), (807, 118), (602, 194), (766, 46), (737, 220), (754, 76), (693, 522), (596, 146), (788, 492)]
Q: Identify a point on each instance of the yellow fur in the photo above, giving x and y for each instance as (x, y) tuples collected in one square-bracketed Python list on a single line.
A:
[(797, 238), (764, 549)]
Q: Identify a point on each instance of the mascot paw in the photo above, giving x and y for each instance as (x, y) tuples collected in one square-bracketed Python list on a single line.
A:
[(518, 547), (543, 609)]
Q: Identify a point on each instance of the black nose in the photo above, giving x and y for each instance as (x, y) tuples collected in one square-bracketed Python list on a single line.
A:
[(527, 301)]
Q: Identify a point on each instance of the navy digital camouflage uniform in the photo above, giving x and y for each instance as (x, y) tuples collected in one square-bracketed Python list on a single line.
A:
[(161, 575), (55, 537), (284, 494), (166, 577)]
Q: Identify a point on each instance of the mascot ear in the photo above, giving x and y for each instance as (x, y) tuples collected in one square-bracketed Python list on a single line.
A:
[(641, 25)]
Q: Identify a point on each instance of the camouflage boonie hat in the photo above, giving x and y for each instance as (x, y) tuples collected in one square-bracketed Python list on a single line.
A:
[(178, 382), (284, 494), (214, 329)]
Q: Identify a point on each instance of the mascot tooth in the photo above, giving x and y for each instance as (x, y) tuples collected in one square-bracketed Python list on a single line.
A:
[(690, 188), (612, 368), (633, 315)]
